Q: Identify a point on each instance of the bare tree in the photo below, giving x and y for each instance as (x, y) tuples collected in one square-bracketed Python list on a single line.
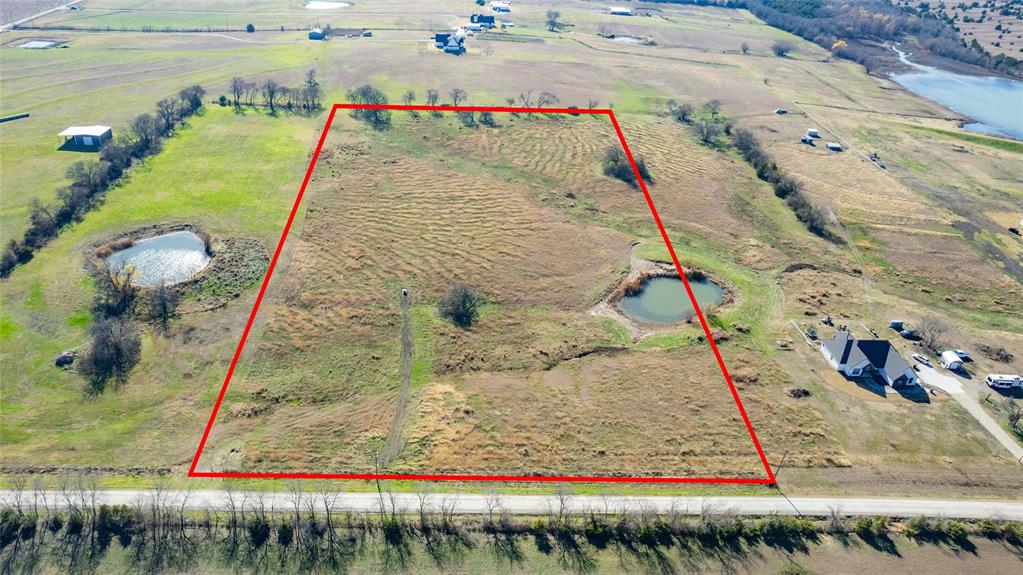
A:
[(707, 132), (408, 97), (271, 92), (592, 103), (168, 111), (713, 106), (237, 88), (457, 95), (546, 99), (526, 98), (115, 349), (1015, 414), (163, 304), (932, 330), (432, 97), (684, 113)]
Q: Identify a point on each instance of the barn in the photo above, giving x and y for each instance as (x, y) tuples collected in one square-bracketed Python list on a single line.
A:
[(86, 136)]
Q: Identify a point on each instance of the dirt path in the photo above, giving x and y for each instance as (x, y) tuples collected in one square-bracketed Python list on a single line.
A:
[(394, 444)]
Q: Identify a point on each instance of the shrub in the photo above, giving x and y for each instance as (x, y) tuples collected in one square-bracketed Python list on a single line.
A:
[(259, 531), (782, 47), (616, 165), (460, 305)]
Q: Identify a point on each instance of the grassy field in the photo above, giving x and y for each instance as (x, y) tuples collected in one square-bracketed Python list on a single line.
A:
[(926, 237)]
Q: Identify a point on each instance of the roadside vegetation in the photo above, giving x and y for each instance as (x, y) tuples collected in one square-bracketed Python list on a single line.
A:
[(310, 534)]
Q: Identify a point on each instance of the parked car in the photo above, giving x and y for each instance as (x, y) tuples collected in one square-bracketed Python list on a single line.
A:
[(963, 354), (910, 334), (922, 359)]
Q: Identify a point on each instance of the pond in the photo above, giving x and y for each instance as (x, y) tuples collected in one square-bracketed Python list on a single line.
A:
[(170, 258), (996, 103), (326, 5), (664, 300)]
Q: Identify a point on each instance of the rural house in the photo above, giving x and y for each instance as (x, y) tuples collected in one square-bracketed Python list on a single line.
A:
[(87, 136), (859, 357)]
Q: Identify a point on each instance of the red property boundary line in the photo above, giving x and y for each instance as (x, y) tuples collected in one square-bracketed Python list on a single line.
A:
[(192, 472)]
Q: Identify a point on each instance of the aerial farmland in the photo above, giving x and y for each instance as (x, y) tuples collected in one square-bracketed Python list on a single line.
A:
[(376, 245)]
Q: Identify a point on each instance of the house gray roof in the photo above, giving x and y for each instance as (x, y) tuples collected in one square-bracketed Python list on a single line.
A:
[(879, 352)]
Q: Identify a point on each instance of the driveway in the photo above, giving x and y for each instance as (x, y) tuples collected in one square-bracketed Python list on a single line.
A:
[(932, 378)]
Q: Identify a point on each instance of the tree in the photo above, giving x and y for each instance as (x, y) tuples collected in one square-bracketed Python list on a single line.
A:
[(432, 97), (114, 350), (460, 305), (408, 97), (552, 20), (714, 107), (745, 48), (684, 113), (546, 99), (271, 93), (237, 88), (782, 47), (458, 95), (707, 132), (144, 130), (1015, 414), (311, 91), (250, 28), (366, 94), (116, 292), (167, 111), (191, 98), (163, 305), (616, 165), (932, 330)]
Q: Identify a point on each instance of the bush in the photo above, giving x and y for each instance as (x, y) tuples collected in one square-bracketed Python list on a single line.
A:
[(460, 305), (782, 47), (616, 165), (259, 531)]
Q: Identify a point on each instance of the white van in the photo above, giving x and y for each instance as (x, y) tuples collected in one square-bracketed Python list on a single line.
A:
[(996, 381)]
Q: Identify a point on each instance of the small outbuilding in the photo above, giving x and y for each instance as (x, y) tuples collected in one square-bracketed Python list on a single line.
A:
[(500, 7), (483, 20), (441, 39), (834, 146), (87, 136), (813, 133), (317, 34), (616, 11)]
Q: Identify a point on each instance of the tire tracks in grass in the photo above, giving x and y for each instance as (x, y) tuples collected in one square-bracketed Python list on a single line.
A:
[(394, 443)]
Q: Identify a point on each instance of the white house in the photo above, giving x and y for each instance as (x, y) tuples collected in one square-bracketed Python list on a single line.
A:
[(87, 136), (950, 360), (859, 357)]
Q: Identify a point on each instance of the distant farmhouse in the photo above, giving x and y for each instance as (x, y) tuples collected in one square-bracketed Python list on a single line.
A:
[(87, 137), (859, 357), (452, 43), (500, 7)]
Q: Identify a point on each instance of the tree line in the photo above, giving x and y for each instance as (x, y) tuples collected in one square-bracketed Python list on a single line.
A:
[(308, 96), (816, 218), (91, 179), (307, 532), (833, 25)]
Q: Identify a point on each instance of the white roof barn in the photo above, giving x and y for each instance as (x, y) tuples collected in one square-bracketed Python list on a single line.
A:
[(86, 136)]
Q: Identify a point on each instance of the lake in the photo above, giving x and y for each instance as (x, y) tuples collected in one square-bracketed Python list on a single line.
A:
[(995, 103), (664, 300), (170, 258)]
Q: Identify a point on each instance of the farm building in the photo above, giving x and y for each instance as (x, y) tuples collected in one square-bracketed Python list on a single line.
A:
[(858, 357), (813, 133), (454, 45), (500, 7), (619, 11), (317, 34), (87, 136), (441, 39), (834, 146)]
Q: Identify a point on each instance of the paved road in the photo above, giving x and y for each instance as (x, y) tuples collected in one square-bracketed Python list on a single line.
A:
[(931, 377), (540, 504)]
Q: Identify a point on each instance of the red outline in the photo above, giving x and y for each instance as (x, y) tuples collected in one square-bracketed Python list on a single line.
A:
[(769, 480)]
